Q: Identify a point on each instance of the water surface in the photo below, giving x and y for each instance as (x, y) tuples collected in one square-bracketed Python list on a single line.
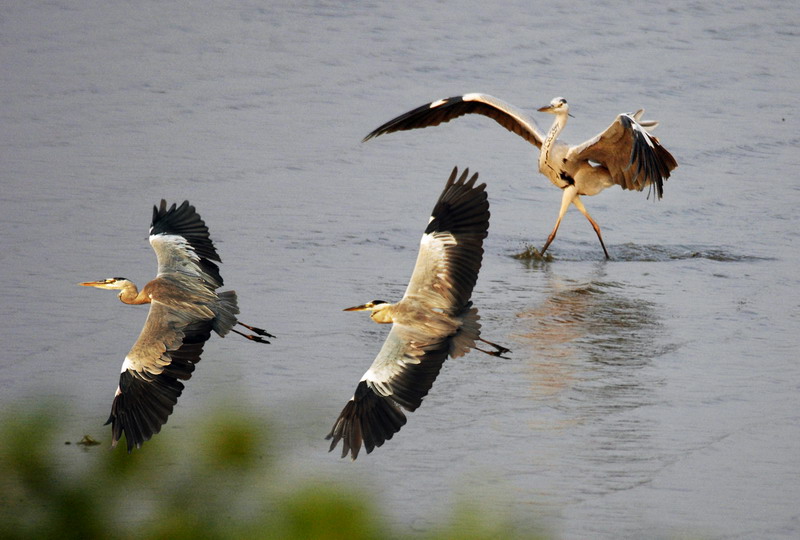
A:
[(652, 394)]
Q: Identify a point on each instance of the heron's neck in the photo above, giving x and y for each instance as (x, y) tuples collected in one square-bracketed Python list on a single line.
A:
[(130, 295), (383, 315), (545, 161), (555, 130)]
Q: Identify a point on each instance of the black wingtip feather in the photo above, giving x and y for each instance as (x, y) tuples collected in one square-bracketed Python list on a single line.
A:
[(462, 208), (421, 117), (144, 404), (367, 420), (652, 162), (137, 413), (184, 221)]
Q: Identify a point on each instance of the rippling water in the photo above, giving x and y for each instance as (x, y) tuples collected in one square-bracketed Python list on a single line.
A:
[(651, 395)]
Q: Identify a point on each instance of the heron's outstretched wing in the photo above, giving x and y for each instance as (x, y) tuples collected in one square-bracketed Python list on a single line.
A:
[(165, 353), (634, 158), (451, 249), (182, 243), (444, 110), (417, 346), (400, 376)]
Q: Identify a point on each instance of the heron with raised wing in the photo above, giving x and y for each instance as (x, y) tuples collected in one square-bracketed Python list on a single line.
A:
[(184, 308), (625, 154), (434, 319)]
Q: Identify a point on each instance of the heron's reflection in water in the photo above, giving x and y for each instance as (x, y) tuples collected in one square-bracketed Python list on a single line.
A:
[(588, 341), (589, 345)]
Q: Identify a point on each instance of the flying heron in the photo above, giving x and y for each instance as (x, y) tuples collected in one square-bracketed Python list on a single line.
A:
[(184, 309), (625, 154), (434, 319)]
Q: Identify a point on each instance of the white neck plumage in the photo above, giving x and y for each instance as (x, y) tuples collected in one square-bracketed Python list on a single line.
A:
[(545, 162)]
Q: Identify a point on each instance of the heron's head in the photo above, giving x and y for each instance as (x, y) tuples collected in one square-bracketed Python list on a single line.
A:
[(378, 308), (114, 283), (557, 106)]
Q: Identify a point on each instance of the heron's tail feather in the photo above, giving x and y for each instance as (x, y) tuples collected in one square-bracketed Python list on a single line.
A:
[(468, 333), (649, 125), (225, 312), (368, 419)]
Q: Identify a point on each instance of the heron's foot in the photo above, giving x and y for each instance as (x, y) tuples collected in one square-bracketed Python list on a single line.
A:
[(257, 339), (498, 354), (259, 331), (499, 349)]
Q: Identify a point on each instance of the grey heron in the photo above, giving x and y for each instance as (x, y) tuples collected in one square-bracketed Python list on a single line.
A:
[(184, 308), (625, 154), (434, 319)]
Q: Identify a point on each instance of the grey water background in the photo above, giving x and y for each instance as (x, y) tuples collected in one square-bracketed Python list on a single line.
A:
[(653, 395)]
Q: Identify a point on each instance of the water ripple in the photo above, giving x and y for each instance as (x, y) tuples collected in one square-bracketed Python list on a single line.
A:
[(631, 252)]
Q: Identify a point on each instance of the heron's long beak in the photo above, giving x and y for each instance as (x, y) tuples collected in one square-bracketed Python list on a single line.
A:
[(549, 109), (362, 307), (100, 284)]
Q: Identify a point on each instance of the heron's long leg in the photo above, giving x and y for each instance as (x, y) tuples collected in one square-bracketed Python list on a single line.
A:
[(500, 348), (259, 331), (257, 339), (498, 354), (579, 205), (570, 192)]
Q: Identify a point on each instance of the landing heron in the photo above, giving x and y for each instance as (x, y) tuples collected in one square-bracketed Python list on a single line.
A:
[(434, 319), (625, 154), (184, 309)]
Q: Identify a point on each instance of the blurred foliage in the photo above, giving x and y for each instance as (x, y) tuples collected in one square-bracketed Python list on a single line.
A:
[(225, 483)]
